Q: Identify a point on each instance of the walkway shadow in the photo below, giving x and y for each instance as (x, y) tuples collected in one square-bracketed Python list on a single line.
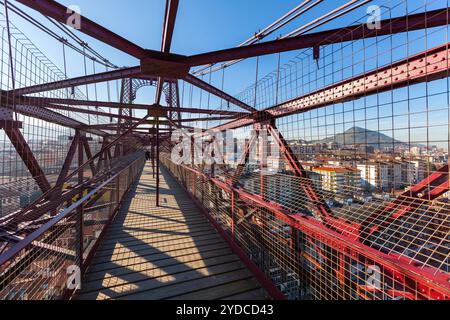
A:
[(164, 252)]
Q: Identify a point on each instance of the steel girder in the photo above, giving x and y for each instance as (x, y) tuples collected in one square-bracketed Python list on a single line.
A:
[(426, 66), (111, 115), (169, 24), (420, 72), (322, 211), (87, 111), (38, 112), (79, 81), (32, 209), (165, 64), (430, 188), (67, 162), (412, 22), (24, 151), (166, 42), (172, 95), (423, 67), (217, 92), (62, 14)]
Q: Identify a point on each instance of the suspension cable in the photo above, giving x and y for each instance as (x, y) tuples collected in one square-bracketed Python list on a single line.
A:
[(96, 56), (312, 25), (11, 60), (286, 18)]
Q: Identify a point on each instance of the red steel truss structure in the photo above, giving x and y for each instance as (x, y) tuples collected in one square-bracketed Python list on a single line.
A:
[(360, 117)]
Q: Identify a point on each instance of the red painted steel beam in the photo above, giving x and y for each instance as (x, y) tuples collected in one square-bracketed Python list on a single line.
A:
[(244, 159), (79, 81), (428, 182), (54, 103), (29, 239), (262, 278), (113, 115), (234, 124), (426, 66), (217, 92), (62, 14), (24, 151), (169, 24), (45, 205), (205, 119), (322, 211), (67, 162), (38, 112), (423, 67), (87, 150), (87, 111), (166, 42), (412, 22), (33, 207), (113, 126), (432, 187)]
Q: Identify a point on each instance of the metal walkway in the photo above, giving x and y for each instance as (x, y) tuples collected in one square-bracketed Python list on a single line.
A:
[(167, 252)]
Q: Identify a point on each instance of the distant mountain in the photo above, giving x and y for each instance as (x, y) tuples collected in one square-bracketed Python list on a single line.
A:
[(357, 135)]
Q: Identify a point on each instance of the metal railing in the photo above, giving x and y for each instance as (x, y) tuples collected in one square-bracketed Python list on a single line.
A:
[(301, 256), (49, 262)]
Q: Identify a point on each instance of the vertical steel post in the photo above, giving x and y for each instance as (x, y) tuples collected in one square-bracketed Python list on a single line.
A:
[(232, 215), (152, 148), (80, 209), (157, 161), (262, 162)]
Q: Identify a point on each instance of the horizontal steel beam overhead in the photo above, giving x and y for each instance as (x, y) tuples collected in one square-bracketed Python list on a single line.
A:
[(113, 126), (238, 123), (39, 112), (204, 119), (426, 66), (113, 115), (87, 111), (423, 67), (151, 130), (55, 102), (418, 21), (217, 92), (63, 14), (79, 81)]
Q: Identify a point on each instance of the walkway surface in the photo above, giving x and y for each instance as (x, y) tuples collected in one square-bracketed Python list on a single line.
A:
[(166, 252)]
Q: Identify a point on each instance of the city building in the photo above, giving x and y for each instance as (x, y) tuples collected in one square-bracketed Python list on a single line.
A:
[(340, 181)]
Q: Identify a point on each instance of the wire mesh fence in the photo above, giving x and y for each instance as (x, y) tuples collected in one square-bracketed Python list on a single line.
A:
[(355, 206), (49, 264)]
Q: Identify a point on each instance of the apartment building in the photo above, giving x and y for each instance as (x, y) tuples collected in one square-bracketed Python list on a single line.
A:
[(340, 181)]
